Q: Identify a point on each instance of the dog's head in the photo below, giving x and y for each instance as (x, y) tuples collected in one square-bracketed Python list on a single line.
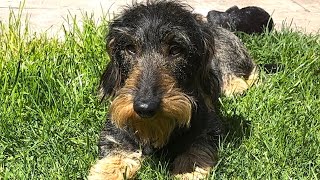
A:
[(160, 67)]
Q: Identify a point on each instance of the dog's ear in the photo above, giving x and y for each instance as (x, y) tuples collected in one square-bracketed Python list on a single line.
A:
[(110, 80), (209, 72)]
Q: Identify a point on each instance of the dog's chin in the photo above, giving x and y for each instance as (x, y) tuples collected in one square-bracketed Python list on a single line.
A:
[(175, 111)]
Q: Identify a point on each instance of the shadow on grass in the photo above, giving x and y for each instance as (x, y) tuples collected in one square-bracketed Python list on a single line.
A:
[(237, 128)]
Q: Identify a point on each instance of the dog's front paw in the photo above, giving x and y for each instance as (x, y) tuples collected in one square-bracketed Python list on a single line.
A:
[(185, 168), (197, 174), (119, 166), (195, 163)]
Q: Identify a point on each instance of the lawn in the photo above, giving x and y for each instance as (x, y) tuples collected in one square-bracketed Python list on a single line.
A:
[(50, 115)]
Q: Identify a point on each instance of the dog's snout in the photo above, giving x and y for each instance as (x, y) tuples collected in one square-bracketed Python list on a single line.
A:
[(146, 109)]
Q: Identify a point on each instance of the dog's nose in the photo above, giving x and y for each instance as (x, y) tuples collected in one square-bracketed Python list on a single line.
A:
[(145, 109)]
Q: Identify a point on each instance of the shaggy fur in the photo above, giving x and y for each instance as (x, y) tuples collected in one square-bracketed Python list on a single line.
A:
[(167, 70)]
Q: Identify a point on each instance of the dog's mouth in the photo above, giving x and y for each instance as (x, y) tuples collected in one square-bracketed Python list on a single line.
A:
[(175, 111)]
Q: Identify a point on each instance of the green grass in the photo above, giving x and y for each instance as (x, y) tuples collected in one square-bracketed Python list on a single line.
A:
[(50, 115)]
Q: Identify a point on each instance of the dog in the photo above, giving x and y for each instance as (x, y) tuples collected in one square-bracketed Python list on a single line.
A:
[(168, 67), (250, 20)]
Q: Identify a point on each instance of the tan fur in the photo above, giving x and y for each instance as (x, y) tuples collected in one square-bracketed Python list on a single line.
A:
[(197, 174), (253, 77), (175, 111), (122, 165), (238, 85)]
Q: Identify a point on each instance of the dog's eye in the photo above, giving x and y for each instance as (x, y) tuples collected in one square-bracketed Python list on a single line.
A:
[(175, 50), (131, 49)]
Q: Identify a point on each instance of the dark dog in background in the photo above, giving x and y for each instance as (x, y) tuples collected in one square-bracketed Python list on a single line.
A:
[(249, 19), (167, 70)]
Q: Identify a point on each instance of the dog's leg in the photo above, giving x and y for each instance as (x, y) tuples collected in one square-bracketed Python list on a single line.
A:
[(238, 70), (121, 157), (197, 161), (120, 165)]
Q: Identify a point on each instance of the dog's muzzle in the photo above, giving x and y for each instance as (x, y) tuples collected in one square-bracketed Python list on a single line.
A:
[(146, 102)]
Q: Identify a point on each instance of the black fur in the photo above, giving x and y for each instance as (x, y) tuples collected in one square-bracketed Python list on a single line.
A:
[(135, 29), (249, 19), (145, 28), (166, 37)]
